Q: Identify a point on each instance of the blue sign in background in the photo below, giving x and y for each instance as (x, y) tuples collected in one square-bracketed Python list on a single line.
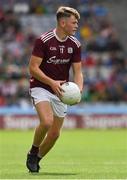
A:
[(80, 109)]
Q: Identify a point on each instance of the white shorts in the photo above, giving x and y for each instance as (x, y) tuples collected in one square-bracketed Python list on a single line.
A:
[(39, 94)]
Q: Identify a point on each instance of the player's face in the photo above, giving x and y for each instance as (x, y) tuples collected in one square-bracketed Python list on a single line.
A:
[(70, 25)]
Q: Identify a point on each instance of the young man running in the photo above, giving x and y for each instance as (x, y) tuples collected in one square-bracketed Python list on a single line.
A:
[(53, 54)]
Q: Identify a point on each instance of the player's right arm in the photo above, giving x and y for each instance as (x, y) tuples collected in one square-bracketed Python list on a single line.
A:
[(37, 73)]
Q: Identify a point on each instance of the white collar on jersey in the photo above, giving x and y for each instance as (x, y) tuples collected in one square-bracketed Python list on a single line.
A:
[(58, 37)]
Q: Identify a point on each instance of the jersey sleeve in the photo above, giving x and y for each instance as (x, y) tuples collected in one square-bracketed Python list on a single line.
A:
[(76, 54), (38, 48)]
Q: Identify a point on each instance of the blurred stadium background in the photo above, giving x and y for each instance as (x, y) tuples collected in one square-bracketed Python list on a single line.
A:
[(102, 33)]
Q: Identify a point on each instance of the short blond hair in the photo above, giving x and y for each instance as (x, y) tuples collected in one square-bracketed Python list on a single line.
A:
[(65, 11)]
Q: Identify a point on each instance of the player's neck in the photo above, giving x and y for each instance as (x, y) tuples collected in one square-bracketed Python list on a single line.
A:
[(60, 34)]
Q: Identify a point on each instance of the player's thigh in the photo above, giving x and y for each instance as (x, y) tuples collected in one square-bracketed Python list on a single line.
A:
[(44, 111), (59, 108)]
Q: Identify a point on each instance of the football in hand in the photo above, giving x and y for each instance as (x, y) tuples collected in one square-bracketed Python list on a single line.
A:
[(71, 93)]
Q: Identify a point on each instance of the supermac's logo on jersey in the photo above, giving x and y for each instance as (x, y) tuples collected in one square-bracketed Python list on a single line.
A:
[(70, 50), (54, 60)]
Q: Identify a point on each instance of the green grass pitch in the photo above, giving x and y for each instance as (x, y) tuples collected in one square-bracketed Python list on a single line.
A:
[(78, 154)]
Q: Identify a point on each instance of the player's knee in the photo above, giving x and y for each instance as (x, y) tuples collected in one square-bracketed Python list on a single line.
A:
[(46, 124)]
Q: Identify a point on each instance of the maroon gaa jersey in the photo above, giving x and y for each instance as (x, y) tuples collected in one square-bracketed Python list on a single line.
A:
[(57, 56)]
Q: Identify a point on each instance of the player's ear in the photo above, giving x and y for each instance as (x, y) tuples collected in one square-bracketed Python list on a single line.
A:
[(62, 22)]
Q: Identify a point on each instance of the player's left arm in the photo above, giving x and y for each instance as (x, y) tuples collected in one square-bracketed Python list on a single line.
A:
[(78, 75)]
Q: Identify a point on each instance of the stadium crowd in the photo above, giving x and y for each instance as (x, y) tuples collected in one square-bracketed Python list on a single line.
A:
[(103, 58)]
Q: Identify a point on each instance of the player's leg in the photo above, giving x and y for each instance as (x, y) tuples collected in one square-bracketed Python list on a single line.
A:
[(52, 136), (45, 115), (59, 111)]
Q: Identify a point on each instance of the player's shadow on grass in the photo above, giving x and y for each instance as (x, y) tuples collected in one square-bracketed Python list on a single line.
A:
[(55, 174)]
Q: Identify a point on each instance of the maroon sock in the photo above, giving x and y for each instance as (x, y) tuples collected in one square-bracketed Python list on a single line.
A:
[(34, 150)]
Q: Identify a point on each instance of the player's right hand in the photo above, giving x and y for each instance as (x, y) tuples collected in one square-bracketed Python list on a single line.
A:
[(56, 87)]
